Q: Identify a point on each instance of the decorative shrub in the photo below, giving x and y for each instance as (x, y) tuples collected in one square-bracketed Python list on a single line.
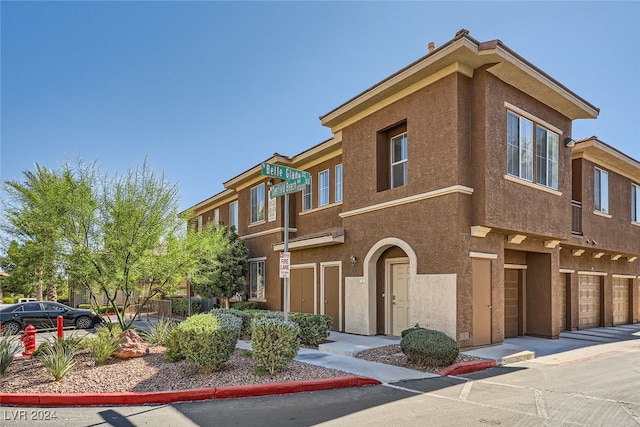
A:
[(9, 347), (314, 328), (406, 331), (173, 352), (244, 305), (159, 333), (109, 329), (180, 306), (8, 300), (429, 347), (58, 357), (102, 347), (245, 330), (71, 343), (208, 340), (274, 343)]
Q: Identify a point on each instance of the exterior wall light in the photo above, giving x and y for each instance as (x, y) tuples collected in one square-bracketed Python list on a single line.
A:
[(568, 142), (353, 259)]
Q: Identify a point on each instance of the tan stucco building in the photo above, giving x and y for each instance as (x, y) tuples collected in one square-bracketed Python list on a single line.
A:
[(452, 194)]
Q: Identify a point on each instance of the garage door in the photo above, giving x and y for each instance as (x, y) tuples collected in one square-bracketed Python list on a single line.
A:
[(562, 302), (589, 301), (620, 301)]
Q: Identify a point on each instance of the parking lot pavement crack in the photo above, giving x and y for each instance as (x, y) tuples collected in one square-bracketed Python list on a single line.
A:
[(541, 406), (629, 409)]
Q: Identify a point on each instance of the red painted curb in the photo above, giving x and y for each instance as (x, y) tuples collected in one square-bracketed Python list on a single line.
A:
[(132, 398), (468, 367)]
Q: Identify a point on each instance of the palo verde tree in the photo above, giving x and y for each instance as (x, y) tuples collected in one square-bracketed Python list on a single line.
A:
[(222, 265)]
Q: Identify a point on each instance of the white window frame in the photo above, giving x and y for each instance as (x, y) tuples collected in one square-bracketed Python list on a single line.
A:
[(199, 222), (216, 216), (547, 157), (307, 196), (257, 279), (520, 147), (402, 162), (601, 190), (338, 179), (323, 188), (635, 203), (257, 203), (233, 215)]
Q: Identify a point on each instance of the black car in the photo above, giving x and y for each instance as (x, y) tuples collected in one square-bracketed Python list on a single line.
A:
[(44, 315)]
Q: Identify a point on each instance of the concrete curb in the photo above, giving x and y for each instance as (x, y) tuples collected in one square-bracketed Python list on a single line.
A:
[(132, 398), (468, 367)]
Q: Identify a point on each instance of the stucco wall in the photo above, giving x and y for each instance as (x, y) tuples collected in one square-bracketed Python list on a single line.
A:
[(433, 302)]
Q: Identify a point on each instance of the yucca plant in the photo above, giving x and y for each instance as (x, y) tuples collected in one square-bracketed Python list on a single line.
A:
[(9, 347), (159, 333), (58, 358), (102, 347)]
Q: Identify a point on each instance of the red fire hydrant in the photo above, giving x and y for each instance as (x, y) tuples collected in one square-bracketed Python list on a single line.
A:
[(29, 340)]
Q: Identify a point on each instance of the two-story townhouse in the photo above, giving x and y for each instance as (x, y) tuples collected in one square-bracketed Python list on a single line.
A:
[(455, 209)]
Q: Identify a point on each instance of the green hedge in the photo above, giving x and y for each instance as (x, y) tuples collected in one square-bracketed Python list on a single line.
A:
[(8, 300), (429, 347), (314, 328), (274, 343), (180, 306), (244, 305), (208, 340), (102, 309)]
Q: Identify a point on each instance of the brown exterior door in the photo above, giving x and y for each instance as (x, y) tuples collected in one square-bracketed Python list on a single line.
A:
[(562, 302), (511, 303), (620, 301), (589, 301), (332, 294), (400, 298), (301, 289), (481, 301)]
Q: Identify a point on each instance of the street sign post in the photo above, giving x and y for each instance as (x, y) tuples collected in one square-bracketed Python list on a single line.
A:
[(295, 180)]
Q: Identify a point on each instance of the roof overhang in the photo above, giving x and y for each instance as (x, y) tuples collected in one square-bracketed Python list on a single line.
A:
[(335, 237), (599, 153), (462, 55)]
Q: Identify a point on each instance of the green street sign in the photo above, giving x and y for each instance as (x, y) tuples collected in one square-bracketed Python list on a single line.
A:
[(287, 187), (283, 172)]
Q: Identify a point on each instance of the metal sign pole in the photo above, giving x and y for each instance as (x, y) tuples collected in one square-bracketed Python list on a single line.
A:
[(286, 249)]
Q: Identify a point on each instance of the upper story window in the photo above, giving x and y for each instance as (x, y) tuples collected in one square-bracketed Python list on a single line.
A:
[(233, 215), (257, 203), (338, 179), (323, 188), (199, 222), (216, 216), (392, 157), (307, 194), (601, 190), (399, 160), (546, 157), (519, 146), (635, 202), (522, 153)]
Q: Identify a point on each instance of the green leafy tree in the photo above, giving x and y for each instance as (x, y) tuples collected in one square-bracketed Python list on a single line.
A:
[(36, 213), (222, 265)]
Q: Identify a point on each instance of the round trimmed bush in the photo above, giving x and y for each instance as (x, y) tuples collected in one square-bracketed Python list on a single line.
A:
[(208, 340), (274, 343), (429, 347), (406, 331), (245, 317)]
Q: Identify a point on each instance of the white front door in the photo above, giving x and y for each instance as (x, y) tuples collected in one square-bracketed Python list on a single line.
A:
[(399, 298)]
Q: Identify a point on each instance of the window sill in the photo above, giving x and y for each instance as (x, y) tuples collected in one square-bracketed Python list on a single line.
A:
[(637, 224), (255, 224), (532, 185), (257, 300), (330, 205), (602, 214)]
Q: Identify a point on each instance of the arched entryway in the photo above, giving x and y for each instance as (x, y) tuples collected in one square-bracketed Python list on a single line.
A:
[(390, 265)]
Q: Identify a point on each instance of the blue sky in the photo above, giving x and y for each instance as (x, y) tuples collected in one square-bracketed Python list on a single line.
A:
[(206, 90)]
